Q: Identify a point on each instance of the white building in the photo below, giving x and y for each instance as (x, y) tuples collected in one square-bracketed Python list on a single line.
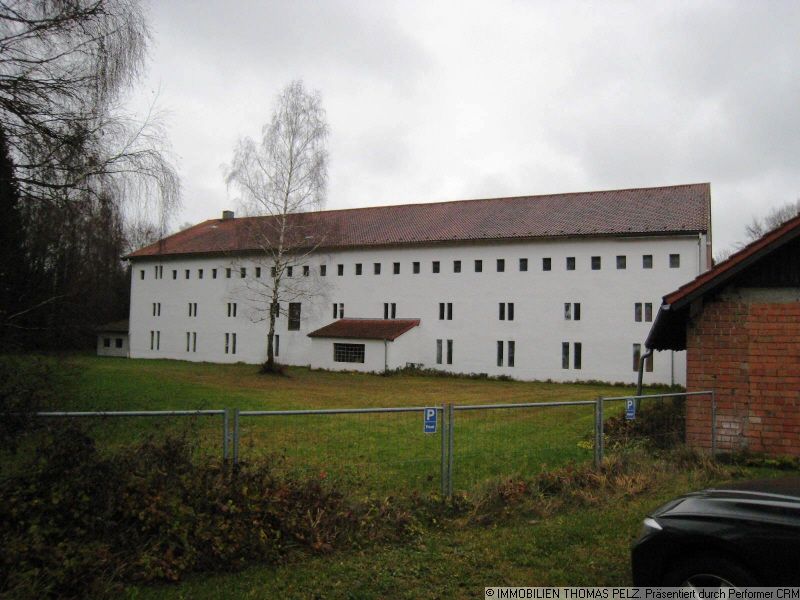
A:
[(560, 287)]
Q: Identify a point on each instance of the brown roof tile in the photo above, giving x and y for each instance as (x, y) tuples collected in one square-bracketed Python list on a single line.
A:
[(674, 209), (366, 329)]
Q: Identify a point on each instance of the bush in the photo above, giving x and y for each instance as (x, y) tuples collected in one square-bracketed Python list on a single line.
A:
[(78, 524), (660, 424)]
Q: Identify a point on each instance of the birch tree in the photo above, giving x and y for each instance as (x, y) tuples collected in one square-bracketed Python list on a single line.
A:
[(281, 178)]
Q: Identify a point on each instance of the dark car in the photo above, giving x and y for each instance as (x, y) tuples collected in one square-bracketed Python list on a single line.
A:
[(745, 534)]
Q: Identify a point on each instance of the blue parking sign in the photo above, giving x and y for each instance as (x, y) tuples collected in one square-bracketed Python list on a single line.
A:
[(630, 409), (430, 415)]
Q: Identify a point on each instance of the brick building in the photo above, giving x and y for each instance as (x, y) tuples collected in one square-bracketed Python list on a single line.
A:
[(740, 325)]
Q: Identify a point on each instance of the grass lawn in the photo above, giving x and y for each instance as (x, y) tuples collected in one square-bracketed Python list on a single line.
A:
[(579, 544), (383, 452)]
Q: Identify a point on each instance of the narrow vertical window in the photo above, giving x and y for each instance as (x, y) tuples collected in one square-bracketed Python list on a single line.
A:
[(289, 271), (510, 311), (570, 263), (565, 355), (385, 310), (335, 310), (187, 273), (188, 341), (622, 262), (152, 340), (358, 268), (396, 268), (233, 343), (478, 265), (647, 261), (376, 268), (648, 311), (577, 311), (596, 263), (340, 270), (441, 311), (499, 353), (199, 273), (227, 343), (276, 342), (637, 355), (438, 352), (294, 316), (674, 261), (155, 272), (323, 270), (523, 264), (547, 264), (141, 274), (158, 340), (567, 311), (306, 270), (415, 267), (456, 266), (502, 311), (174, 273), (213, 274), (577, 351), (449, 311), (258, 272), (435, 266), (341, 310), (637, 312), (501, 265), (194, 341), (227, 273), (511, 352), (449, 352), (394, 310), (243, 272)]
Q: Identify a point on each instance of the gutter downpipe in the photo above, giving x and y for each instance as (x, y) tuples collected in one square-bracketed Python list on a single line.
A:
[(385, 356), (642, 360)]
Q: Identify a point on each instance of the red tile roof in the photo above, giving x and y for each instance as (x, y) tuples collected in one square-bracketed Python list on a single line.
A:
[(668, 331), (366, 329), (674, 209)]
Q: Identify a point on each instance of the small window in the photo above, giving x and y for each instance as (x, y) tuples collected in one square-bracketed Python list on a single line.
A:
[(511, 352), (547, 264), (393, 313), (243, 272), (510, 311), (323, 270), (499, 353), (435, 266), (174, 273), (567, 311), (228, 273), (258, 272), (194, 341), (442, 308), (306, 270), (106, 342), (577, 351), (294, 316), (674, 261), (456, 266), (358, 269), (565, 355), (338, 310), (141, 274), (502, 311), (199, 273), (438, 352), (396, 268), (348, 353), (187, 273), (276, 342), (273, 271), (576, 311), (449, 352), (118, 342), (289, 271), (449, 311), (152, 339), (192, 309), (523, 264), (596, 263), (231, 309), (637, 312), (376, 268), (478, 266), (570, 263), (506, 311), (213, 273), (415, 267), (647, 261), (385, 310), (340, 270), (637, 355), (622, 262), (648, 311), (501, 265)]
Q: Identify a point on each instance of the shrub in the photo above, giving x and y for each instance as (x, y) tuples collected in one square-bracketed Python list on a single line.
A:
[(75, 523), (658, 423)]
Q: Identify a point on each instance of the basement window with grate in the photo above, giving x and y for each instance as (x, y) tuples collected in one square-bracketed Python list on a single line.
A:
[(349, 353)]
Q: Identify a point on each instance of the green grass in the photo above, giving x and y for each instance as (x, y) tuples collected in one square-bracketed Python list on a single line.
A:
[(374, 452), (576, 545)]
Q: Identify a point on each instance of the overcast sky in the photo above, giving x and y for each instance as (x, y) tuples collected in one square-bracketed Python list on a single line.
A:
[(430, 101)]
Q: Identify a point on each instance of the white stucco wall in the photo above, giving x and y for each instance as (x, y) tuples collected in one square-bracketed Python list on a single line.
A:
[(607, 330)]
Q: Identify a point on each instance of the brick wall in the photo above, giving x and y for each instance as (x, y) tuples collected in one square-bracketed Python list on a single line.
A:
[(748, 350)]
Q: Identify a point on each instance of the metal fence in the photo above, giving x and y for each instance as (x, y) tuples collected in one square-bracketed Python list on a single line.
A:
[(445, 448)]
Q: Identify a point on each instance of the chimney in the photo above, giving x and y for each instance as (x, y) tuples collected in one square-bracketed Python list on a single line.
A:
[(227, 214)]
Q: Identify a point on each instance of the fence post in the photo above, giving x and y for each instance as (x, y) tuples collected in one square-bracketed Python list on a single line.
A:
[(450, 435), (235, 436), (443, 470), (225, 429), (598, 431), (713, 423)]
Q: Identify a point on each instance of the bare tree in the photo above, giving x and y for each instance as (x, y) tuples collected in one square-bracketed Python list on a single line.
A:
[(774, 218), (281, 178)]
